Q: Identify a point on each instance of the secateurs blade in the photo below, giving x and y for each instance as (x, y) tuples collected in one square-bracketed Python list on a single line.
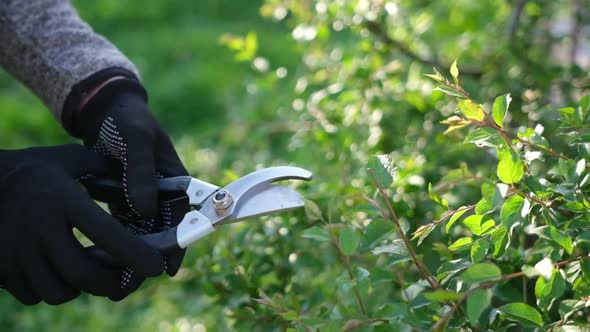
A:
[(248, 197)]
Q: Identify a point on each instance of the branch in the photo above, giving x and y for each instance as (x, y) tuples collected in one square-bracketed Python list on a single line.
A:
[(515, 20), (441, 324), (346, 262), (393, 217), (378, 31)]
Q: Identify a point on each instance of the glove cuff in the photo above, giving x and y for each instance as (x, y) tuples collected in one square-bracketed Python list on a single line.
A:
[(73, 116)]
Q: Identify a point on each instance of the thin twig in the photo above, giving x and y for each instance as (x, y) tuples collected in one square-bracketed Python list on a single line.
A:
[(393, 217), (378, 31), (441, 324), (346, 262), (515, 20)]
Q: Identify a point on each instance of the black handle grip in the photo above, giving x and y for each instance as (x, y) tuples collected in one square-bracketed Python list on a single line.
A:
[(112, 191), (165, 242)]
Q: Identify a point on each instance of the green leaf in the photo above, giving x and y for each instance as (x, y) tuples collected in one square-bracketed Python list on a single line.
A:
[(547, 291), (482, 272), (454, 71), (500, 108), (477, 303), (382, 169), (500, 240), (435, 197), (376, 230), (484, 137), (397, 247), (449, 91), (312, 210), (449, 269), (522, 313), (442, 296), (290, 315), (454, 122), (471, 110), (560, 238), (422, 232), (477, 225), (460, 211), (349, 240), (316, 233), (461, 244), (510, 166), (511, 210), (479, 250), (437, 77), (585, 104)]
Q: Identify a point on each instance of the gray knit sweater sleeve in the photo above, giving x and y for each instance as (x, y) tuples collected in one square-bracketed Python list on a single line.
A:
[(45, 45)]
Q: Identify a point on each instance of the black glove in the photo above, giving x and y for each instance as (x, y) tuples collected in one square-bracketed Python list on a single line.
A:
[(117, 123), (40, 203)]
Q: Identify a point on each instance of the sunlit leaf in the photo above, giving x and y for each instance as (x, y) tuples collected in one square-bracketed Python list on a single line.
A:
[(454, 71), (500, 240), (442, 296), (485, 137), (479, 250), (500, 108), (461, 244), (478, 224), (511, 211), (471, 110), (522, 313), (510, 166), (455, 217), (382, 172)]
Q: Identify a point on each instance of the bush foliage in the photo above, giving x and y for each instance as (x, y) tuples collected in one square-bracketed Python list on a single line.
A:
[(448, 198)]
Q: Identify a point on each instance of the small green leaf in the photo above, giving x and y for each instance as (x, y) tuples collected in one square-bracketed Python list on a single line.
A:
[(460, 211), (312, 211), (477, 303), (511, 210), (585, 104), (461, 244), (510, 166), (316, 233), (500, 108), (484, 137), (449, 91), (482, 272), (382, 169), (479, 250), (547, 291), (435, 77), (471, 110), (455, 71), (435, 197), (290, 315), (477, 225), (422, 232), (349, 240), (449, 269), (442, 296), (376, 230), (522, 313), (396, 247), (560, 238), (500, 240)]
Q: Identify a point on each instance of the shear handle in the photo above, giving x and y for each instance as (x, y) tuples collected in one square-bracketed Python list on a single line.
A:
[(112, 191)]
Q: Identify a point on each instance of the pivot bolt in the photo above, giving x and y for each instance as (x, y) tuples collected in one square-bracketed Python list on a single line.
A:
[(222, 200)]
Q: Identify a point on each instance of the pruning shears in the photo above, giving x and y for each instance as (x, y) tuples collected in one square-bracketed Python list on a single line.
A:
[(248, 197)]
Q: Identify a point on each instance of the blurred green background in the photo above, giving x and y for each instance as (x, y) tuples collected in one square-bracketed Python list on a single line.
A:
[(323, 85)]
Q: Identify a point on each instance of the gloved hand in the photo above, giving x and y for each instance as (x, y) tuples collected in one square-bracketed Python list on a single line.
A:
[(117, 123), (41, 202)]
